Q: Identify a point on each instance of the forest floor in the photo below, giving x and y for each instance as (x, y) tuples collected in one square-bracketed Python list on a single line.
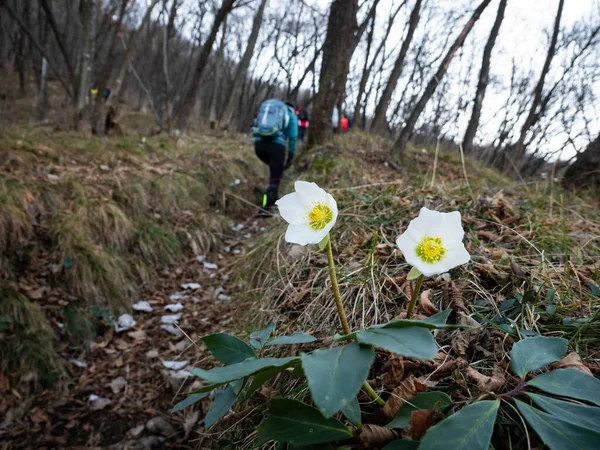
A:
[(89, 227)]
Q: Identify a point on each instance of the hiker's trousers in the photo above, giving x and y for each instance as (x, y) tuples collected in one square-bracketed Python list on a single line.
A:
[(273, 155)]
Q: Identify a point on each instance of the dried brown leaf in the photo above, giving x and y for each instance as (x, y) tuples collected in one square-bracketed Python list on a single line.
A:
[(457, 297), (420, 421), (492, 383), (490, 236), (427, 306), (374, 434), (572, 361), (406, 390), (517, 270), (393, 371)]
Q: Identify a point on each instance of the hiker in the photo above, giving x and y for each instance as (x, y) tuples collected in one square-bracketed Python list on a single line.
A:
[(302, 122), (276, 125), (344, 123), (335, 119)]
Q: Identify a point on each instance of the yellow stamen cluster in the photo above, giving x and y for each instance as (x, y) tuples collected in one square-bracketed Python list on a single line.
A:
[(431, 249), (319, 216)]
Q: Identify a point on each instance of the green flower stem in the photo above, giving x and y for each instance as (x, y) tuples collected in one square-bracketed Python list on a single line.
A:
[(342, 314), (415, 296)]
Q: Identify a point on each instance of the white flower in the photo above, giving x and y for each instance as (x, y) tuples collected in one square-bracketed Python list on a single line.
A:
[(433, 242), (310, 211)]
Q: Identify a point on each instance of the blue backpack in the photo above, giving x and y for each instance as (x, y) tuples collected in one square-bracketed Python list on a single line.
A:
[(272, 119)]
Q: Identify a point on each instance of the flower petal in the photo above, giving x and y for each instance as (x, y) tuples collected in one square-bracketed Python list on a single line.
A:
[(291, 209), (309, 193), (456, 257), (451, 230), (302, 234)]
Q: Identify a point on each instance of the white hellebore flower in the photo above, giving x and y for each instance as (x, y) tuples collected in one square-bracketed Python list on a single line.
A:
[(432, 243), (310, 211)]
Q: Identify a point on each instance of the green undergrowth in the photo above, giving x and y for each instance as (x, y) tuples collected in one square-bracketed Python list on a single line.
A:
[(97, 217)]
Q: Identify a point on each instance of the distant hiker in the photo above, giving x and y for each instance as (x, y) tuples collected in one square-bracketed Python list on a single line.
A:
[(344, 123), (106, 94), (335, 119), (350, 123), (276, 125), (302, 122)]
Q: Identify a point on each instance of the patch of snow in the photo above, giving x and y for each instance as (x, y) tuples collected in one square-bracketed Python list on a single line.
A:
[(171, 318), (172, 330), (191, 286), (125, 322), (81, 364), (176, 297), (210, 266), (223, 297), (142, 306), (175, 365), (174, 308)]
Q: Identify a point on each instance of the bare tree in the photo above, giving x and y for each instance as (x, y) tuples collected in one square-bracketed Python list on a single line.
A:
[(379, 119), (537, 95), (406, 132), (188, 100), (483, 80), (242, 69)]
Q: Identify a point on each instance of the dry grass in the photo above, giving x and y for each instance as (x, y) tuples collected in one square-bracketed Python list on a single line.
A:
[(553, 240)]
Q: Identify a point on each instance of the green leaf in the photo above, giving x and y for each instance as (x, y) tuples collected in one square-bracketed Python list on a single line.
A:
[(189, 401), (241, 370), (296, 338), (412, 342), (207, 388), (259, 338), (413, 274), (581, 415), (352, 412), (569, 383), (227, 348), (556, 433), (423, 400), (298, 372), (431, 323), (296, 423), (224, 400), (469, 429), (536, 352), (401, 444), (263, 376), (335, 375), (323, 243)]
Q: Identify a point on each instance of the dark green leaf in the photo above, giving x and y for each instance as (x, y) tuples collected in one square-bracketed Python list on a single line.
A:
[(224, 400), (469, 429), (423, 400), (569, 383), (259, 338), (190, 400), (352, 412), (412, 342), (207, 388), (262, 377), (534, 353), (558, 434), (335, 375), (227, 348), (240, 370), (298, 372), (294, 422), (401, 444), (296, 338), (581, 415)]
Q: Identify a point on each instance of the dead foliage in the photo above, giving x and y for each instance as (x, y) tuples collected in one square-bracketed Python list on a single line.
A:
[(406, 390)]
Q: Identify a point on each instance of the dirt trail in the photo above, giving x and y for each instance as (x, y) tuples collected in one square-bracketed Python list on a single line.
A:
[(123, 388)]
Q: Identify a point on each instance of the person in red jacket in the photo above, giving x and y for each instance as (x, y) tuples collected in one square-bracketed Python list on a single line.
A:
[(344, 123)]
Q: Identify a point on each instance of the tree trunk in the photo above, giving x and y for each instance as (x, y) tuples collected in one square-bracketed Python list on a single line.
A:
[(87, 60), (41, 106), (242, 69), (365, 74), (483, 80), (107, 107), (585, 170), (379, 120), (186, 106), (537, 95), (217, 77), (337, 53), (406, 132)]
